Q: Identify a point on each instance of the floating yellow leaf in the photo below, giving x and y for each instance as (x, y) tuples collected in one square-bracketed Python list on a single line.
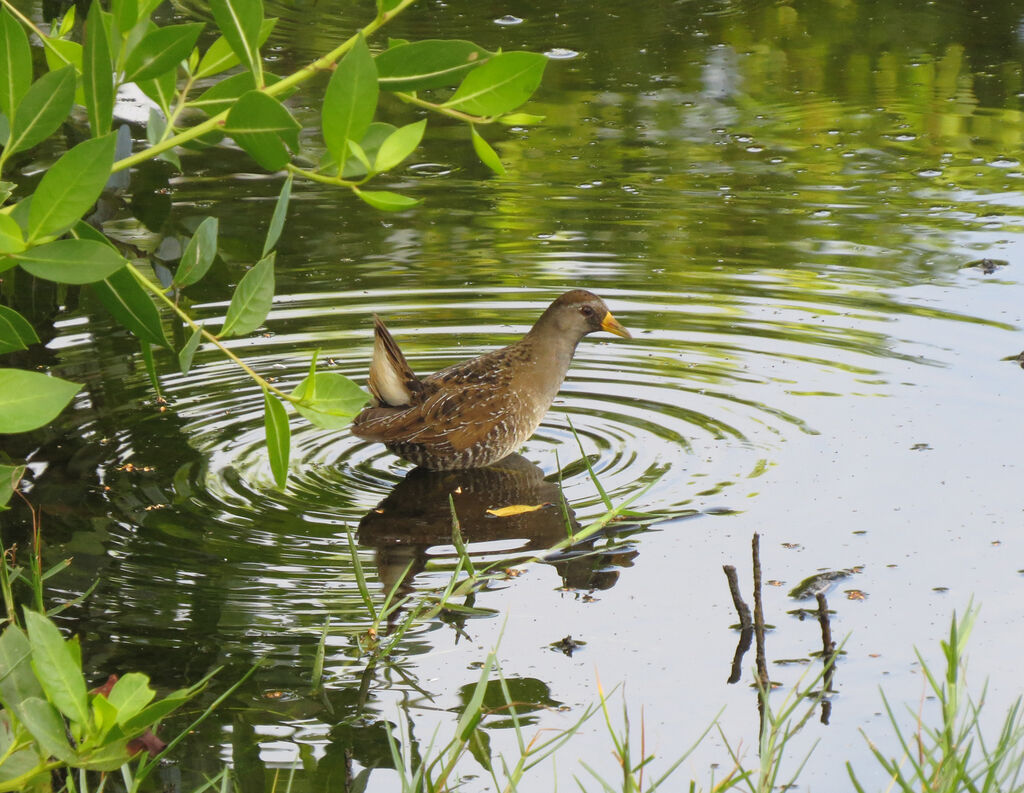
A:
[(516, 509)]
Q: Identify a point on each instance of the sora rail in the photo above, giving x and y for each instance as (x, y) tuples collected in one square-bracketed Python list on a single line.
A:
[(476, 412)]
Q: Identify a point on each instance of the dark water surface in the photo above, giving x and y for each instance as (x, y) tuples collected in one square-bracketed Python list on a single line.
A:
[(782, 202)]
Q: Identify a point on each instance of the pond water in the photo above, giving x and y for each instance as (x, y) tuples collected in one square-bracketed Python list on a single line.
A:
[(809, 215)]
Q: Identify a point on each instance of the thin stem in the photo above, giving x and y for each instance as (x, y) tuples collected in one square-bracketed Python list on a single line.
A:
[(412, 99), (156, 290), (337, 181)]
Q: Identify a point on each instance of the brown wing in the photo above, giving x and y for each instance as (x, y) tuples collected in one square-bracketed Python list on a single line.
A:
[(459, 417)]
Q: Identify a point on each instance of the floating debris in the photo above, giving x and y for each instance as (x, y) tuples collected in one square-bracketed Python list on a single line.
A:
[(987, 266), (819, 582)]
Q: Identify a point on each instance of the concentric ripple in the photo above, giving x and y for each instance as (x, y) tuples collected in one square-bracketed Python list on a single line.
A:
[(681, 405)]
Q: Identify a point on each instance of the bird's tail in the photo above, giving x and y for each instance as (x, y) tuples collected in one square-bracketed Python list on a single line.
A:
[(391, 378)]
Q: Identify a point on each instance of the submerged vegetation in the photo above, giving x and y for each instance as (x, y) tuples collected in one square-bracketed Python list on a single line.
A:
[(56, 735)]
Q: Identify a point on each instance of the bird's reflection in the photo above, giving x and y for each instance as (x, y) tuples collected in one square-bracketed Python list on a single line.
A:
[(416, 515)]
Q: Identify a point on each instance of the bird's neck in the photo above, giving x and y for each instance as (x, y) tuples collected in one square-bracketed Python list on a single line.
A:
[(549, 355)]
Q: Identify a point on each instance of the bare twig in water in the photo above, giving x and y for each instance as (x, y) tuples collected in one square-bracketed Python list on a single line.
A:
[(828, 656), (737, 599), (762, 664)]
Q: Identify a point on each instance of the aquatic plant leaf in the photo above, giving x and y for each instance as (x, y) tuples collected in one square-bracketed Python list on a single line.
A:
[(252, 299), (241, 22), (43, 108), (16, 332), (130, 694), (221, 57), (71, 261), (43, 721), (386, 200), (350, 100), (58, 667), (278, 218), (10, 475), (515, 509), (97, 73), (189, 350), (224, 93), (70, 186), (279, 437), (15, 63), (60, 53), (520, 119), (329, 400), (28, 400), (11, 238), (262, 126), (161, 89), (161, 50), (487, 155), (125, 13), (199, 254), (399, 145), (501, 84), (19, 682), (431, 63), (130, 304)]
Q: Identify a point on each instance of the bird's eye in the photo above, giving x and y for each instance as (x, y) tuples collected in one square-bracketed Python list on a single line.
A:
[(586, 311)]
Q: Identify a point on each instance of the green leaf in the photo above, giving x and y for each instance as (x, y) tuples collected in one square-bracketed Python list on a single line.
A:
[(241, 22), (57, 668), (387, 201), (280, 212), (10, 476), (71, 186), (261, 125), (147, 359), (61, 53), (97, 73), (252, 299), (161, 51), (47, 727), (16, 333), (279, 437), (520, 119), (329, 400), (399, 145), (189, 350), (43, 108), (487, 155), (18, 682), (377, 133), (223, 94), (11, 238), (432, 63), (126, 13), (15, 63), (220, 57), (130, 694), (199, 254), (350, 100), (28, 400), (161, 89), (155, 129), (71, 261), (67, 22), (500, 85), (130, 304)]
